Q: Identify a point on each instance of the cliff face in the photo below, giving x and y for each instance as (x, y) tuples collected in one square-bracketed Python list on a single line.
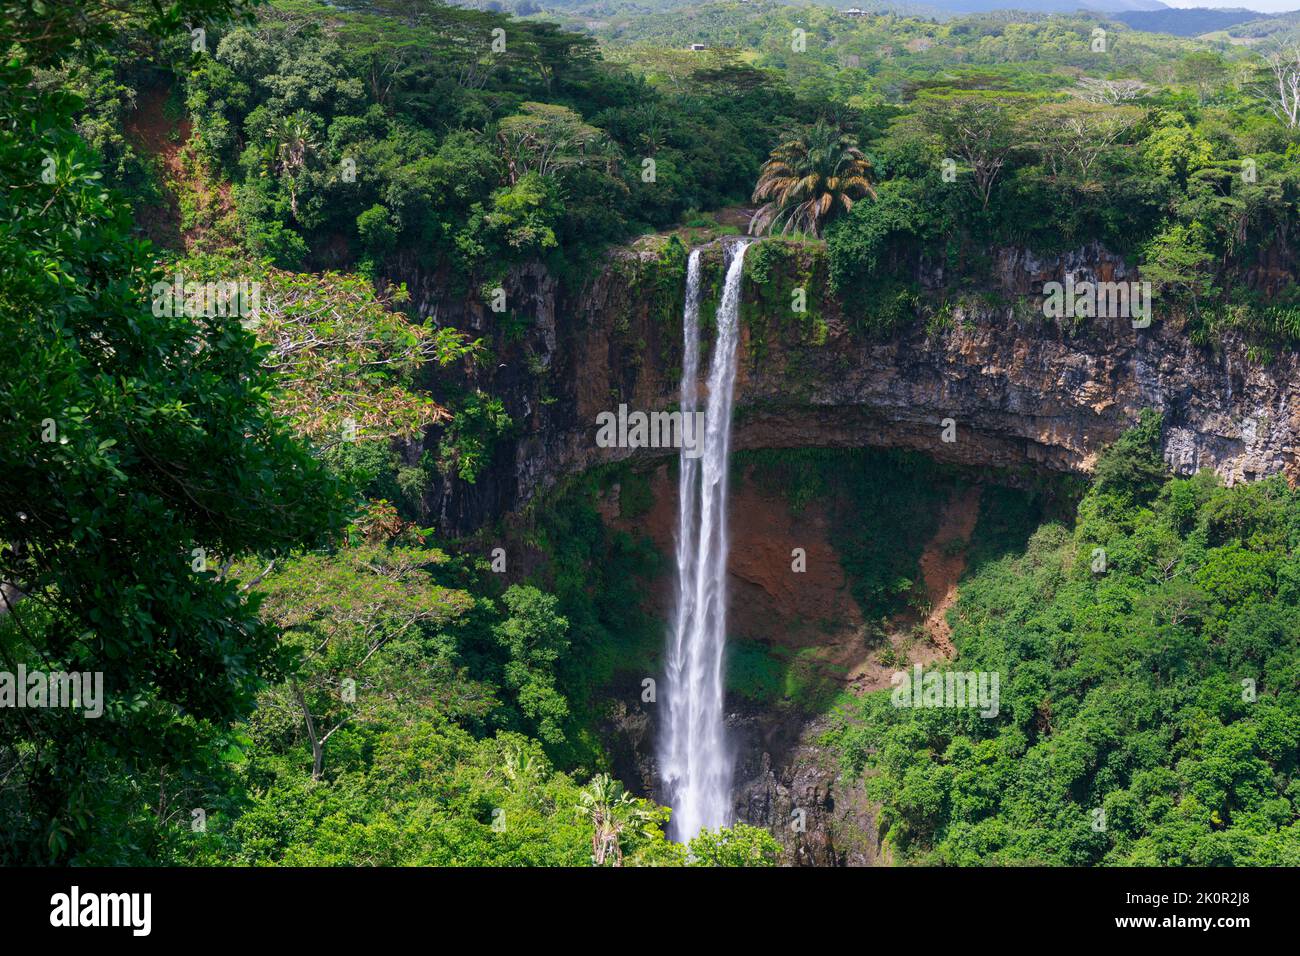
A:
[(1021, 389), (787, 779), (1023, 393)]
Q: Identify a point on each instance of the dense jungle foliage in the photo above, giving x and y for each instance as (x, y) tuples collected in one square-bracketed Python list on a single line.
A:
[(217, 513), (207, 508), (410, 140), (1150, 713)]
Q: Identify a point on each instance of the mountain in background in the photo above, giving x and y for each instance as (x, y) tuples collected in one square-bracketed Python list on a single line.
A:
[(1052, 6), (939, 9), (1194, 22), (1266, 24), (1149, 16)]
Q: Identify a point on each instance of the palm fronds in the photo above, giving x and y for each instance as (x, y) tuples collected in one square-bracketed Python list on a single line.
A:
[(809, 180)]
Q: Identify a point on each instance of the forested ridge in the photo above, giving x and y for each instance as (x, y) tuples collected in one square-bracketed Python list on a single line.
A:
[(206, 507), (213, 508), (1149, 715)]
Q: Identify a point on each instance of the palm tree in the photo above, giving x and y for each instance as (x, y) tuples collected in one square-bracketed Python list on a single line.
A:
[(809, 180), (520, 770), (291, 141), (612, 812)]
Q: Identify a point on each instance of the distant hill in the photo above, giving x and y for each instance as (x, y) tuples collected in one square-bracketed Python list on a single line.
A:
[(1189, 23), (1051, 6), (1264, 25), (1149, 16), (941, 9)]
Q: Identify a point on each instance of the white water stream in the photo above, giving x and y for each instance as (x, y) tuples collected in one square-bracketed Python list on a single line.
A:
[(695, 761)]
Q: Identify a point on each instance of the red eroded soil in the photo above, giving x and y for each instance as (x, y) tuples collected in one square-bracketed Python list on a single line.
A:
[(772, 603), (155, 134), (152, 131), (944, 561), (768, 599)]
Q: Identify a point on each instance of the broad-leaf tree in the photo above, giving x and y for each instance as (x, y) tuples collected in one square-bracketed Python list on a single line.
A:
[(138, 454)]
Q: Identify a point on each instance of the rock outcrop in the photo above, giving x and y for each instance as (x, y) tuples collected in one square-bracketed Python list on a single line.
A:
[(786, 781), (1022, 391), (1014, 391), (790, 784)]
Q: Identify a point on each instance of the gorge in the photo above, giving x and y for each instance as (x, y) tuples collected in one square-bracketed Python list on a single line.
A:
[(633, 400), (1033, 400)]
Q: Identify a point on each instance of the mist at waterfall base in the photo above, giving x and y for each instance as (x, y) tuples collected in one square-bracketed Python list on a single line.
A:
[(696, 762)]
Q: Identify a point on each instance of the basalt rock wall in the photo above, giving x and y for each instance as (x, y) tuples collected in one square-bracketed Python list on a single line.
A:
[(1017, 390)]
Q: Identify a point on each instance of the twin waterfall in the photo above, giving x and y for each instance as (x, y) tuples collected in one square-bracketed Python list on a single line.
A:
[(695, 761)]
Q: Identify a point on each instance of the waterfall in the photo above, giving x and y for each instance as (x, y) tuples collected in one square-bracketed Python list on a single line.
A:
[(695, 759)]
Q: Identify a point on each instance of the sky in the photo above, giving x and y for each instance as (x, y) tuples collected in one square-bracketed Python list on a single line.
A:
[(1263, 6)]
